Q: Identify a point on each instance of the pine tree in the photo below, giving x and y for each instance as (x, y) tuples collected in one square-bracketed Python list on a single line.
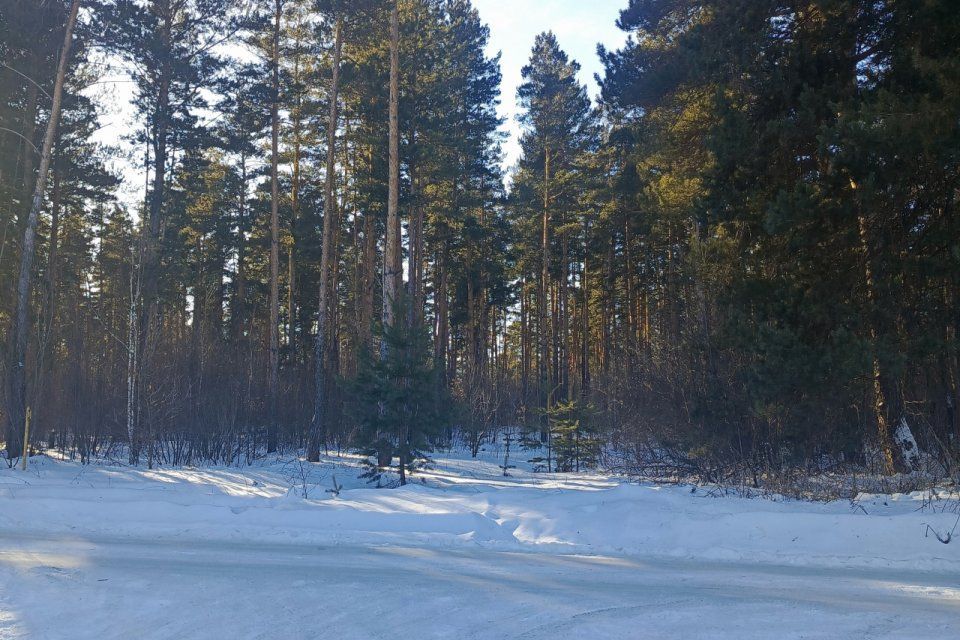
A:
[(747, 126), (556, 126)]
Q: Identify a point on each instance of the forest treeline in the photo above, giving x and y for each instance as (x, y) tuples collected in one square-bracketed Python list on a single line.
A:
[(747, 248)]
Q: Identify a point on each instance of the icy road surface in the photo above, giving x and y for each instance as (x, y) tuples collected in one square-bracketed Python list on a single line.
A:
[(119, 588)]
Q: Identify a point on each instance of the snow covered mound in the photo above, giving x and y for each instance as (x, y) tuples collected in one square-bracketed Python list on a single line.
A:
[(464, 502)]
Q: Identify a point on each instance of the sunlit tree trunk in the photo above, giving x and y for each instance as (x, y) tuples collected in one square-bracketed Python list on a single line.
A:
[(879, 409)]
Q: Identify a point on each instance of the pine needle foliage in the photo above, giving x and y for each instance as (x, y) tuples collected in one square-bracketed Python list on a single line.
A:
[(400, 409)]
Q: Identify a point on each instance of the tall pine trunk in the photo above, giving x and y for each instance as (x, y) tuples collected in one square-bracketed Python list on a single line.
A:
[(296, 116), (27, 150), (321, 381), (50, 308), (542, 332), (17, 405), (563, 344), (415, 268), (442, 304), (585, 318), (274, 347), (524, 350), (369, 269), (391, 258), (146, 292)]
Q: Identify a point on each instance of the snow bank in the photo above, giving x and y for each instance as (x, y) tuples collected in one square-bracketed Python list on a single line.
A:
[(469, 502)]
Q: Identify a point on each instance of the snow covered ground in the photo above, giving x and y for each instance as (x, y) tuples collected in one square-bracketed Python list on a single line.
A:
[(105, 551)]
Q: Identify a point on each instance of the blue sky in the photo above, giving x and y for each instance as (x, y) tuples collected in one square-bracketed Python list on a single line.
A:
[(579, 26)]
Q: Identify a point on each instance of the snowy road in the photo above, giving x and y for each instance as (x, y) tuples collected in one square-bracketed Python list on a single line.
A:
[(102, 588)]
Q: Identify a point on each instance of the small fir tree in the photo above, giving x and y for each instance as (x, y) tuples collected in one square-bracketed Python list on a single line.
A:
[(399, 407), (576, 442)]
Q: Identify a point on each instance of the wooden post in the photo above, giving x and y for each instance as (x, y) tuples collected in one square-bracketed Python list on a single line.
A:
[(26, 440)]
